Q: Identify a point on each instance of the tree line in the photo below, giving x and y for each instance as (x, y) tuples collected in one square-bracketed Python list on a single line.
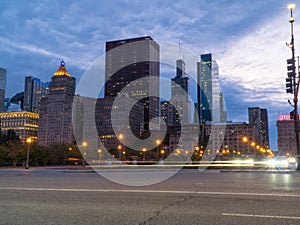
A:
[(13, 152)]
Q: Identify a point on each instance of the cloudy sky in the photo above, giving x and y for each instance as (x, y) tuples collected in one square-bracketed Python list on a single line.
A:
[(247, 39)]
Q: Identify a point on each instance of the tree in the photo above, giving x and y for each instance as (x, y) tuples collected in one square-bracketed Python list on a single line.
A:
[(12, 146)]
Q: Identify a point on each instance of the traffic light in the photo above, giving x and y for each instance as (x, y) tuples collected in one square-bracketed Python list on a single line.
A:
[(289, 85), (291, 75), (291, 67)]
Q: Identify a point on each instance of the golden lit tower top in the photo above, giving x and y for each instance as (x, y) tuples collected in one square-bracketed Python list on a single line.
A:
[(62, 71)]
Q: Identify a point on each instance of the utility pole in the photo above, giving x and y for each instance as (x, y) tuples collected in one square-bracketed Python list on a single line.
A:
[(292, 83)]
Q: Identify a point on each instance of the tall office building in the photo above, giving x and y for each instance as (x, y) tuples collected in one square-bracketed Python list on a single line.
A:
[(126, 62), (180, 94), (3, 73), (259, 118), (55, 124), (180, 84), (110, 131), (209, 96), (34, 91), (168, 113)]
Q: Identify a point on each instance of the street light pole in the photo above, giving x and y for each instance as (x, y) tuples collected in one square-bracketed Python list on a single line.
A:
[(28, 141), (119, 152), (295, 82), (99, 152), (84, 144), (158, 142), (144, 153)]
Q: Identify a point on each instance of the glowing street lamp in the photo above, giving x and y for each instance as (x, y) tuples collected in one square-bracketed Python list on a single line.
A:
[(144, 153), (28, 141), (158, 142), (99, 152), (291, 6), (119, 150), (162, 153), (84, 144)]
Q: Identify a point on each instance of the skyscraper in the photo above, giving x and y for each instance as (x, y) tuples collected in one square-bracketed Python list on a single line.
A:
[(126, 63), (181, 82), (103, 113), (55, 124), (180, 94), (259, 118), (34, 90), (3, 73), (209, 96)]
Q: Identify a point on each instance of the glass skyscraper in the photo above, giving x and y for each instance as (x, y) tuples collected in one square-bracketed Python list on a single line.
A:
[(3, 73), (209, 96), (34, 90)]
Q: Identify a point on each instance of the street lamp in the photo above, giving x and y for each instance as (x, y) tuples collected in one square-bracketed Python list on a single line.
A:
[(158, 142), (162, 153), (99, 152), (84, 144), (119, 150), (28, 141), (124, 155), (144, 153)]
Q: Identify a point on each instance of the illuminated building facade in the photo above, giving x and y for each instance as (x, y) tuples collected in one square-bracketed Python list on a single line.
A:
[(286, 135), (25, 124), (259, 118), (126, 62), (108, 133), (34, 91), (210, 105), (168, 113), (228, 138), (55, 125), (3, 73), (220, 136)]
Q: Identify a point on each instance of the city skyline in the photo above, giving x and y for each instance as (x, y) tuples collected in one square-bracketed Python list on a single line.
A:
[(251, 54)]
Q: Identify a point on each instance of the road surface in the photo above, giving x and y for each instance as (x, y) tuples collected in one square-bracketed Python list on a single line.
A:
[(66, 196)]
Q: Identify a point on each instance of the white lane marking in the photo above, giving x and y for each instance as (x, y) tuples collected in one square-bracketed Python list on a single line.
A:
[(261, 216), (153, 191)]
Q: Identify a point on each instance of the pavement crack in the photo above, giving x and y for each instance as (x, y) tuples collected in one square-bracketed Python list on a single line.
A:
[(159, 212)]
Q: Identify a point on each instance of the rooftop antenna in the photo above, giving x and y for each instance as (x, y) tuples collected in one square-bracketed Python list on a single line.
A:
[(180, 54)]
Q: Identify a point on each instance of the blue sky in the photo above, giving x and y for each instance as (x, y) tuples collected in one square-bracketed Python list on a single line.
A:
[(247, 39)]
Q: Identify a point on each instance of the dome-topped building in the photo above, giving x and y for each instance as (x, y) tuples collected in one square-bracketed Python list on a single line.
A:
[(62, 71), (55, 124)]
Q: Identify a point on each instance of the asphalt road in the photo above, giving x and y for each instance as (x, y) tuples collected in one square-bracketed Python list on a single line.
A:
[(63, 196)]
